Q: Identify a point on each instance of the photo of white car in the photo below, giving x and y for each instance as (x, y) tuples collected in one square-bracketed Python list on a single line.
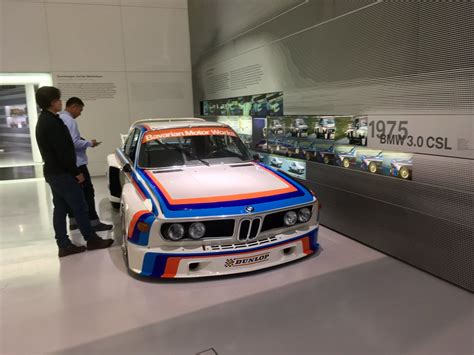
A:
[(296, 168), (325, 128), (277, 163), (194, 203), (357, 131), (299, 128)]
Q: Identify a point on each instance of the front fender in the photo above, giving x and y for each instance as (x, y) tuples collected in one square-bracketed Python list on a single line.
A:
[(113, 162), (135, 209)]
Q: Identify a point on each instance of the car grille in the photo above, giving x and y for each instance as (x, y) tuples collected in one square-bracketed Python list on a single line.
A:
[(249, 228), (242, 245)]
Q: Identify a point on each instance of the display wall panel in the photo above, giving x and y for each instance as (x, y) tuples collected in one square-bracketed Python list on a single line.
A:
[(442, 247), (106, 111), (22, 48), (156, 39), (1, 34), (86, 2), (396, 61), (159, 95), (92, 30), (175, 4), (230, 19)]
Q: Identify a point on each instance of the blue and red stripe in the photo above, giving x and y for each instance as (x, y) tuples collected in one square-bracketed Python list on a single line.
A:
[(301, 196), (165, 264), (136, 236)]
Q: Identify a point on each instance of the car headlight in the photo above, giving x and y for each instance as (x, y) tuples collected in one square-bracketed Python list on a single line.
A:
[(175, 231), (290, 218), (197, 230), (304, 215)]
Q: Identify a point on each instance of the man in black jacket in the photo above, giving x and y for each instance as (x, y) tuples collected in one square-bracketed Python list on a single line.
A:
[(62, 174)]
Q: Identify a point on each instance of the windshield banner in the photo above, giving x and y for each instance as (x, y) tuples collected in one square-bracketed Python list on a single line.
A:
[(188, 132)]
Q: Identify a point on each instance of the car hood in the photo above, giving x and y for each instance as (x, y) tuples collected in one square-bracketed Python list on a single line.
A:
[(223, 190)]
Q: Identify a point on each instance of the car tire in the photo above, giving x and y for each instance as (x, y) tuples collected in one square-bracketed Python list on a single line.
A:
[(404, 173), (372, 167), (346, 163)]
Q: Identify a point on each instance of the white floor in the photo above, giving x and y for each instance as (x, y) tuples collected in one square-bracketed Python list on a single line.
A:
[(348, 299)]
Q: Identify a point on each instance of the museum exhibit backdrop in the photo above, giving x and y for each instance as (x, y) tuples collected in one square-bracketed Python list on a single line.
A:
[(370, 103)]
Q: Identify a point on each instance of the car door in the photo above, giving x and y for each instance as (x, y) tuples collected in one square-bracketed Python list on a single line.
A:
[(130, 151)]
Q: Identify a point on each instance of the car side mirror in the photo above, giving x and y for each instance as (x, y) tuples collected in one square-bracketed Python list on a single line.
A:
[(127, 168)]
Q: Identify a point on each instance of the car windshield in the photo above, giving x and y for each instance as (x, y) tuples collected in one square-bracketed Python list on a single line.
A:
[(327, 121), (191, 146)]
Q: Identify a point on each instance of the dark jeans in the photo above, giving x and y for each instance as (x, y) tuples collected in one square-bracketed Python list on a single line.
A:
[(68, 195), (89, 194)]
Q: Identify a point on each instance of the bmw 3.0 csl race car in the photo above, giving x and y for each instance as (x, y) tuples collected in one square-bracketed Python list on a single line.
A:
[(194, 203)]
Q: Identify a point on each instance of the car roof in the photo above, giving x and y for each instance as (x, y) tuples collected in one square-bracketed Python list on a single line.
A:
[(166, 123)]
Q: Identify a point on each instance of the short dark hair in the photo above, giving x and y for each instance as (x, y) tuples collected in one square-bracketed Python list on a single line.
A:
[(45, 96), (74, 101)]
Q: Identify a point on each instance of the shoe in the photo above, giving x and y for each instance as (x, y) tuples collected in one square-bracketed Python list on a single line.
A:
[(72, 227), (101, 227), (99, 243), (71, 249)]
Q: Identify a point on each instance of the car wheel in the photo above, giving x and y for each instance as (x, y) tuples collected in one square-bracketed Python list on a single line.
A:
[(373, 167), (326, 159), (346, 163), (404, 173)]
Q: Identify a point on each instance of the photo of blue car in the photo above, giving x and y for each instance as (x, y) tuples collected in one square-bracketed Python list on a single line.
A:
[(372, 164), (401, 168), (345, 159), (327, 156)]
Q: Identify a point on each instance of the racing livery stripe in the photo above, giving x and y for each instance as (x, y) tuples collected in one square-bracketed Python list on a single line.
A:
[(306, 246), (301, 196), (236, 197), (135, 236), (165, 265), (141, 190), (134, 221), (138, 189)]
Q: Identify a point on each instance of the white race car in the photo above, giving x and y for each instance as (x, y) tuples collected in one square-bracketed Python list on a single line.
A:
[(193, 203)]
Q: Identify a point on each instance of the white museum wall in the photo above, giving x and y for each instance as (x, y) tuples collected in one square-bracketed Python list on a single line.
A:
[(141, 47)]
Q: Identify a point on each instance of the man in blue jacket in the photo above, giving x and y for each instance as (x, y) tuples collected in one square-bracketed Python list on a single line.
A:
[(62, 174), (74, 107)]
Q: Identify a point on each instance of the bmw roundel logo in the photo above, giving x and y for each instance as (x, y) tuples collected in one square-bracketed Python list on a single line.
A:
[(249, 209)]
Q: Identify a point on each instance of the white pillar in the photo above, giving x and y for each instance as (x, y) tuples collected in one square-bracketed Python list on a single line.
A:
[(33, 119)]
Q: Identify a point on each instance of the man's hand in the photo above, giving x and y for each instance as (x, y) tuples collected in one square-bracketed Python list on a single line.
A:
[(80, 178), (95, 143)]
